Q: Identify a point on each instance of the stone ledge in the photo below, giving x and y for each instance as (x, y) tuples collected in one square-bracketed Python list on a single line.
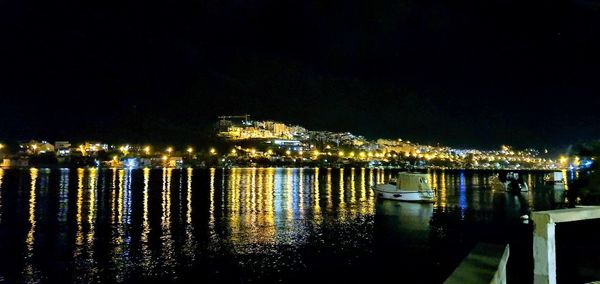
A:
[(485, 264)]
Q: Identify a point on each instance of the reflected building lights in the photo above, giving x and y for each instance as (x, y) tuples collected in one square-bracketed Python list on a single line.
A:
[(79, 212), (288, 197), (352, 188), (329, 198), (211, 220), (63, 196), (442, 192), (370, 184), (30, 272), (462, 199), (146, 253), (190, 243), (167, 251), (92, 207), (300, 193), (317, 194), (190, 174), (363, 186), (342, 203)]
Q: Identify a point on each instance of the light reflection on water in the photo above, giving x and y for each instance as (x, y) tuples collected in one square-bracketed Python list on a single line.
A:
[(123, 225)]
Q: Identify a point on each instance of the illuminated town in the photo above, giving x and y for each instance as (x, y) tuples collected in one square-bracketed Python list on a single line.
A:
[(247, 143)]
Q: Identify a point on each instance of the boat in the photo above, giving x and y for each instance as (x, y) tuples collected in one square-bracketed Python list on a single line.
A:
[(554, 178), (407, 186), (511, 183)]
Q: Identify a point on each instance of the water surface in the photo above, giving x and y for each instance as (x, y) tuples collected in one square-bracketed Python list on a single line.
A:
[(251, 225)]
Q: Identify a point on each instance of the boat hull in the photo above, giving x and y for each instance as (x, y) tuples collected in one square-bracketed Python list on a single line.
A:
[(391, 192)]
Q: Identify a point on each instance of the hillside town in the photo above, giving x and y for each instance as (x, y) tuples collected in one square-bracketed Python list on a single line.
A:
[(243, 142)]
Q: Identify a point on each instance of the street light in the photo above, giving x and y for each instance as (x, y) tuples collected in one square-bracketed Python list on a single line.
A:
[(147, 150), (190, 150), (169, 150), (213, 151)]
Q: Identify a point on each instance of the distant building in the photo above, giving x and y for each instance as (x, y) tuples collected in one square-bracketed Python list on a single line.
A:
[(36, 147), (63, 148), (15, 163), (175, 162)]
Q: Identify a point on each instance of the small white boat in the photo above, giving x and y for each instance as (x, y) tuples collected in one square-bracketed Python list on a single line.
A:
[(406, 187), (511, 183)]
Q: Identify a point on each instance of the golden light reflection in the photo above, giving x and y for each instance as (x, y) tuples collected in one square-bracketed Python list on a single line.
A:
[(288, 197), (352, 187), (342, 205), (167, 251), (120, 189), (147, 256), (317, 194), (300, 192), (329, 199), (30, 272), (370, 184), (190, 174), (83, 254), (190, 244), (269, 206), (268, 223), (363, 192), (211, 220), (166, 200), (92, 206), (78, 215), (442, 199)]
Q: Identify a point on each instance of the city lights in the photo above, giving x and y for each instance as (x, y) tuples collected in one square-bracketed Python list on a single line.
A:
[(351, 150)]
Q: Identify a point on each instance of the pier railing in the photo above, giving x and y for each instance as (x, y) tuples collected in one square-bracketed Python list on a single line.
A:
[(485, 264), (544, 245)]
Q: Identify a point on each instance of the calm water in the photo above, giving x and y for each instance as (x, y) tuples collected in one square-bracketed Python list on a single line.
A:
[(251, 225)]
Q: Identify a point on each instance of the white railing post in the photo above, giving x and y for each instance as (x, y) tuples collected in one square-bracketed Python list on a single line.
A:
[(544, 249)]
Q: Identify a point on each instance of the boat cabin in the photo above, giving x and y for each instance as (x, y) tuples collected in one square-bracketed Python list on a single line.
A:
[(413, 181)]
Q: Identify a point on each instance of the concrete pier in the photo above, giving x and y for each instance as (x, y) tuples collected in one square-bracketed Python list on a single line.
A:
[(485, 264)]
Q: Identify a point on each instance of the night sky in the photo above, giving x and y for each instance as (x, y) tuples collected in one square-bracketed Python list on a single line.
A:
[(464, 73)]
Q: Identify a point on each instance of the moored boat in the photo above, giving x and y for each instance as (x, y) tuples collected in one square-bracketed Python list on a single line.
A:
[(511, 182), (407, 186)]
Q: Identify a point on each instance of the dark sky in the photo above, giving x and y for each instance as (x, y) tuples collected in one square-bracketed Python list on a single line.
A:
[(465, 73)]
